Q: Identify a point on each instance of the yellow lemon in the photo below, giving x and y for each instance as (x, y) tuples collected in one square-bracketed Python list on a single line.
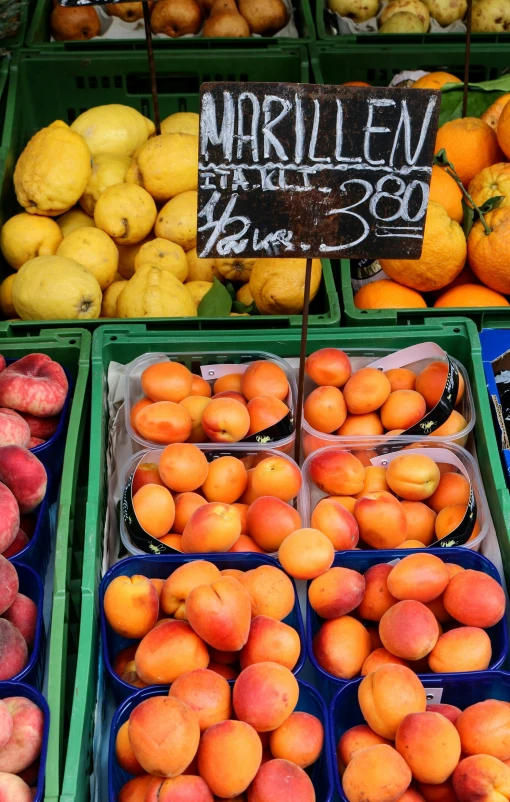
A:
[(278, 285), (177, 220), (153, 292), (53, 171), (235, 269), (25, 236), (73, 219), (110, 295), (94, 250), (6, 305), (197, 290), (107, 170), (55, 288), (165, 254), (127, 256), (182, 122), (113, 129), (201, 269), (126, 212), (244, 295), (166, 166)]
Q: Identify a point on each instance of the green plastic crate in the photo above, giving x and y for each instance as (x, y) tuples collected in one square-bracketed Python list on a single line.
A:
[(392, 317), (84, 81), (122, 344), (38, 37), (71, 348)]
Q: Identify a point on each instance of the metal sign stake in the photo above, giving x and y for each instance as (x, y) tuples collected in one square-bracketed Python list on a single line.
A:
[(152, 66), (467, 56), (302, 358)]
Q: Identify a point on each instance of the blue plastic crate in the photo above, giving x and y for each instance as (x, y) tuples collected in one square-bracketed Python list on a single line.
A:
[(461, 690), (321, 772), (19, 689), (30, 585), (362, 560), (161, 566)]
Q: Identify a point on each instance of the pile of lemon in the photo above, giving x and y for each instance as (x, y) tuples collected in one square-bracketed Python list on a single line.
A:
[(110, 223)]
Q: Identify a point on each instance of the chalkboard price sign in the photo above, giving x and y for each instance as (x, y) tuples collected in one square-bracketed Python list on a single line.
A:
[(296, 170)]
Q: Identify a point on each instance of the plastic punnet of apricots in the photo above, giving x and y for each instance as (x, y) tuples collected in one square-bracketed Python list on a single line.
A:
[(221, 403), (350, 397), (188, 499)]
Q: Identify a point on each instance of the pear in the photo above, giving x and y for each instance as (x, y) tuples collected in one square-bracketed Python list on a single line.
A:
[(176, 17), (402, 22), (128, 12), (413, 6), (225, 20), (357, 10), (491, 16), (74, 23), (265, 17), (448, 11)]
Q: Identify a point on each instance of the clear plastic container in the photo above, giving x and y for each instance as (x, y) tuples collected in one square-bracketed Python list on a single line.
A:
[(365, 449), (360, 358), (195, 361), (153, 455)]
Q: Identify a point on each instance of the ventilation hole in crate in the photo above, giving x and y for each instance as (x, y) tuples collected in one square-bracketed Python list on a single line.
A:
[(80, 82), (230, 77), (71, 116), (113, 339), (92, 82), (182, 105), (105, 82), (218, 76), (168, 84), (370, 75), (206, 77), (72, 342), (244, 76), (146, 109), (117, 81)]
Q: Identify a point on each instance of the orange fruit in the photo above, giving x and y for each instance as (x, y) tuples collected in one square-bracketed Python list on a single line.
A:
[(489, 254), (445, 190), (435, 80), (355, 83), (503, 131), (470, 144), (493, 113), (387, 294), (167, 381), (155, 509), (442, 258), (471, 295), (491, 182)]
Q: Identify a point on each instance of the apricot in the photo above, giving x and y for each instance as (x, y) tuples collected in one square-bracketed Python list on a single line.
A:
[(124, 753), (200, 387), (381, 520), (375, 640), (387, 695), (168, 651), (124, 657), (206, 693), (430, 383), (183, 467), (450, 711), (430, 745), (402, 409), (220, 613), (361, 425), (265, 411), (437, 607), (411, 544), (377, 599), (377, 773), (325, 409), (462, 649), (449, 518), (271, 641), (328, 366), (185, 506), (279, 781), (249, 495), (443, 792), (375, 480), (269, 520), (299, 739), (227, 672), (481, 777), (146, 474), (475, 599), (265, 694), (341, 646), (453, 488), (164, 735), (242, 509), (337, 472), (134, 790), (225, 420), (484, 728), (234, 395), (347, 502), (131, 605), (421, 577), (167, 381), (164, 422), (421, 522), (366, 390), (277, 476), (232, 381), (154, 509), (195, 406), (136, 408), (264, 378), (337, 523), (413, 476), (174, 541), (181, 582), (453, 425), (409, 630), (336, 592), (229, 757), (246, 543), (380, 657), (355, 739), (306, 553), (130, 676), (271, 591), (226, 480), (213, 527), (179, 789), (400, 379)]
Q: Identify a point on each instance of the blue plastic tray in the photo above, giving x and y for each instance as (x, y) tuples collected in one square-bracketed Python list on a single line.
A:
[(461, 690), (362, 560), (19, 689), (30, 585), (321, 773), (161, 566)]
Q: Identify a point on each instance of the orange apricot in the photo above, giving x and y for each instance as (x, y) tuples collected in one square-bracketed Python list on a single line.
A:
[(453, 488), (366, 391), (226, 480), (264, 378), (131, 605), (185, 506), (154, 509), (337, 523), (402, 409), (213, 527), (299, 739), (337, 472), (225, 420), (360, 425), (183, 467), (306, 553), (377, 599), (381, 520), (420, 522), (232, 381), (265, 411), (167, 381), (270, 520), (277, 476), (325, 409), (414, 477), (206, 693), (136, 408), (449, 519), (164, 422), (328, 367), (124, 753), (431, 381), (195, 406), (401, 379), (199, 386)]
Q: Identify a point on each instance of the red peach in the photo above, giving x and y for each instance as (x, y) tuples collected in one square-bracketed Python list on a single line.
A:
[(34, 384), (24, 745), (13, 429), (6, 724), (9, 584), (41, 427), (23, 615), (14, 789), (24, 475), (10, 517), (13, 651), (19, 543)]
